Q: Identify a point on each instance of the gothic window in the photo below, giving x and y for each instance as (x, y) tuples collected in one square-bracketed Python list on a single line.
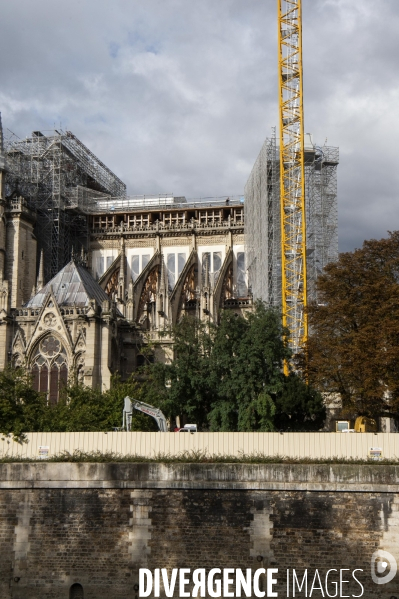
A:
[(35, 377), (43, 378), (63, 375), (135, 266), (110, 260), (217, 265), (241, 280), (138, 268), (100, 267), (50, 346), (76, 591), (145, 258), (49, 367), (175, 264), (181, 261), (170, 265), (211, 261)]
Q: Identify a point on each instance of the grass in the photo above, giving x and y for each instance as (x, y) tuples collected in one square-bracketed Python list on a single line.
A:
[(191, 457)]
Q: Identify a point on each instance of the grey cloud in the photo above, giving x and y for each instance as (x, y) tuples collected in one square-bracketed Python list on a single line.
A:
[(178, 96)]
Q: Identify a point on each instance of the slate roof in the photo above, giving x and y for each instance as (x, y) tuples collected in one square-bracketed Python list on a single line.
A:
[(72, 286)]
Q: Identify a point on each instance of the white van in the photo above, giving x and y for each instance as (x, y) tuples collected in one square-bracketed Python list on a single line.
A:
[(188, 428)]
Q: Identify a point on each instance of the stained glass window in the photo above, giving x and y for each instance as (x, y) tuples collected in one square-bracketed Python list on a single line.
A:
[(50, 367)]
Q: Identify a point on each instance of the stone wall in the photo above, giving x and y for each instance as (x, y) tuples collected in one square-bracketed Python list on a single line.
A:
[(97, 524)]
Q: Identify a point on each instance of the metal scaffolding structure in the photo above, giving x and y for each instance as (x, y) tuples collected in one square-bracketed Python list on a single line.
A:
[(48, 171), (321, 208), (263, 215)]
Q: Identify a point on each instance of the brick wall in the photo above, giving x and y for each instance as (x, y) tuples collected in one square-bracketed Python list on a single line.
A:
[(56, 531)]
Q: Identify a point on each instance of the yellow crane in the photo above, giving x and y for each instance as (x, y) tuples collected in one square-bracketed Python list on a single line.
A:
[(292, 172)]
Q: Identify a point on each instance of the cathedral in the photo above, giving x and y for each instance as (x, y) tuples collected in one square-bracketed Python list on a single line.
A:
[(88, 276)]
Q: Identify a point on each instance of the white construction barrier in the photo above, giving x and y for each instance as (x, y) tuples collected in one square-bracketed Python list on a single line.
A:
[(293, 445)]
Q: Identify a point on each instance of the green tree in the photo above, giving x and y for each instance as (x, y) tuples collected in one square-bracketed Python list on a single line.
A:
[(184, 385), (299, 407), (230, 377), (353, 347), (21, 408), (246, 369), (81, 408)]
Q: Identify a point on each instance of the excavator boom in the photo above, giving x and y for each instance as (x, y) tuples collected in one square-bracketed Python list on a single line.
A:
[(155, 413)]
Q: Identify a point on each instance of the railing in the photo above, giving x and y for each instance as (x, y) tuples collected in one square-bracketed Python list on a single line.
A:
[(33, 312), (138, 203), (157, 226)]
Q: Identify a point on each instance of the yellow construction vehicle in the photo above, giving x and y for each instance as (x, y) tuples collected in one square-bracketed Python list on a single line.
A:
[(363, 424)]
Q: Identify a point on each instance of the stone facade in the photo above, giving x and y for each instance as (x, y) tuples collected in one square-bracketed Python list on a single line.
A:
[(96, 525), (152, 263)]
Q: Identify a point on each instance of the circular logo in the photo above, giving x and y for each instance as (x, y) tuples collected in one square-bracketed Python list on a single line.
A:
[(383, 567)]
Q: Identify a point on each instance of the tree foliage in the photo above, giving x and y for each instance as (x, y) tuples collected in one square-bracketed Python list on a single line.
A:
[(353, 348), (80, 408), (225, 378), (21, 408), (230, 377)]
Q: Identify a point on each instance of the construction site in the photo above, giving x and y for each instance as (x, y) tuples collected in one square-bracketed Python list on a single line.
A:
[(155, 258), (263, 219), (53, 173)]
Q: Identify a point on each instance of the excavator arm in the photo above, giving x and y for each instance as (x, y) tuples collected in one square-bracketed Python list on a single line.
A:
[(156, 413)]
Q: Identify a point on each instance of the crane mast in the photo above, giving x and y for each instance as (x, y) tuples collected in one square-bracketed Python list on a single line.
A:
[(292, 172)]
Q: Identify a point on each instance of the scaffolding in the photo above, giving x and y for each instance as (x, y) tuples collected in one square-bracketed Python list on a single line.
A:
[(48, 171), (321, 208), (262, 219)]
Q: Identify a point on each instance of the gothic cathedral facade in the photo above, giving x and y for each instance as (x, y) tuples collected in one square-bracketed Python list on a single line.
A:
[(146, 264)]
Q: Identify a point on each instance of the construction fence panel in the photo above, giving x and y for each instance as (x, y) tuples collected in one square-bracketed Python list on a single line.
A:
[(149, 445)]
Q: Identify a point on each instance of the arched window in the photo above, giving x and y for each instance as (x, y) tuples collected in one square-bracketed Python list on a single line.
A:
[(49, 367), (76, 591), (44, 378), (63, 375), (53, 395), (35, 377)]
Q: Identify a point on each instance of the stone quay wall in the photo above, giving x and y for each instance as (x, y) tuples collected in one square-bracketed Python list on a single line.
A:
[(73, 530)]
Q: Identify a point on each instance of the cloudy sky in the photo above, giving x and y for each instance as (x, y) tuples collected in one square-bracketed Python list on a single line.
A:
[(177, 96)]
